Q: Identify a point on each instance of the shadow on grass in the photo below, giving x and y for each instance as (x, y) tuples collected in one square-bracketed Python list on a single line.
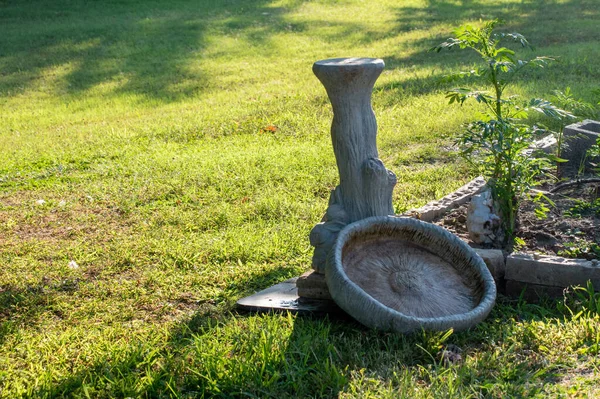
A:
[(23, 306), (553, 24), (136, 47), (211, 353), (11, 300), (544, 22), (154, 48), (214, 353)]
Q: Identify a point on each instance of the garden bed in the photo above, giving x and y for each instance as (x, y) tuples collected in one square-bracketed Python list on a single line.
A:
[(569, 228), (559, 250)]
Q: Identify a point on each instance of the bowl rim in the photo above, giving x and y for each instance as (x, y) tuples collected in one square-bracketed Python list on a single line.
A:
[(335, 270)]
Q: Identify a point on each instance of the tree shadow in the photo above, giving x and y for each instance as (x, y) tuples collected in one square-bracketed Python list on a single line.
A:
[(556, 24), (154, 48), (214, 354), (24, 305), (173, 367), (149, 48), (543, 21)]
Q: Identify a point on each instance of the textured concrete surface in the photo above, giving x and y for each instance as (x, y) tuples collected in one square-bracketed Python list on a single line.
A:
[(407, 294), (532, 292), (435, 209), (494, 260), (312, 285), (578, 137), (366, 186), (551, 270)]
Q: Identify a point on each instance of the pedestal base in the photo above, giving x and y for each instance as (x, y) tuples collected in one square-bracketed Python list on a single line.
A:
[(284, 297), (312, 285)]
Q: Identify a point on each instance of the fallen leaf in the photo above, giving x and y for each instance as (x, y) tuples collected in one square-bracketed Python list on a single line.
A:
[(270, 128)]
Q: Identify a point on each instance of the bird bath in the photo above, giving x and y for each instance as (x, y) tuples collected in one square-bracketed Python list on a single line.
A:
[(387, 272)]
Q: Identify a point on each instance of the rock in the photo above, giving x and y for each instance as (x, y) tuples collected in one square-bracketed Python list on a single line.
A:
[(483, 224), (435, 209), (580, 137), (550, 270), (451, 355), (494, 260), (544, 239)]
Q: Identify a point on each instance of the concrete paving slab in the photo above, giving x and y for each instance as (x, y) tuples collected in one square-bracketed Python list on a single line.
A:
[(284, 297)]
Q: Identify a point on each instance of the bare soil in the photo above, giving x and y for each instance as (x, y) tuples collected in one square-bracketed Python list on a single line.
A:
[(571, 227)]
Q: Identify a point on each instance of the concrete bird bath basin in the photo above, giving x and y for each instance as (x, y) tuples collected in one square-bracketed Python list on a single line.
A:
[(402, 274)]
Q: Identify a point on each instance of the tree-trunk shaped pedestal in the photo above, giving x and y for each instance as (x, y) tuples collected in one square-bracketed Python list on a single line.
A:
[(366, 186)]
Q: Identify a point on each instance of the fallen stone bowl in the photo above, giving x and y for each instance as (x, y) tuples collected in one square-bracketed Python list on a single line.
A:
[(402, 274)]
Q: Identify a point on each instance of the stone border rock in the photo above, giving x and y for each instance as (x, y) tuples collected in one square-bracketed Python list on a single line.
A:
[(434, 209), (579, 137), (312, 285), (542, 275)]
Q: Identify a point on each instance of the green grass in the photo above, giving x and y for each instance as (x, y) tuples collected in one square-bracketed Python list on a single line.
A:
[(141, 126)]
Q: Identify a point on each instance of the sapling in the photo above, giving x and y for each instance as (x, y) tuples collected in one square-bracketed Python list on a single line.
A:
[(497, 142)]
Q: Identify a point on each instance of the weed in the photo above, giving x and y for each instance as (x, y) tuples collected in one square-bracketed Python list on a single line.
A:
[(581, 249), (593, 155), (584, 208)]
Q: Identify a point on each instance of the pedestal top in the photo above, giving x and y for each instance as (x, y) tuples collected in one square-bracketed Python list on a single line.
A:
[(348, 74), (352, 62)]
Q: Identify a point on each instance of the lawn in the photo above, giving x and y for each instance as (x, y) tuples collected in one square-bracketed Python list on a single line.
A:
[(162, 159)]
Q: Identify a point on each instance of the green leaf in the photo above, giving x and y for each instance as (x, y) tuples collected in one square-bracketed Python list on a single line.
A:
[(554, 158), (459, 75), (549, 109), (517, 37), (504, 50), (520, 114)]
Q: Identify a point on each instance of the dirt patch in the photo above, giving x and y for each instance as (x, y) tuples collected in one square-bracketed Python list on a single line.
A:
[(570, 228), (23, 218)]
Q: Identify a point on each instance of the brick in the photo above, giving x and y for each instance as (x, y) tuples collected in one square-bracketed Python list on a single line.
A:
[(312, 285), (312, 279), (551, 270), (494, 259), (435, 209), (314, 293)]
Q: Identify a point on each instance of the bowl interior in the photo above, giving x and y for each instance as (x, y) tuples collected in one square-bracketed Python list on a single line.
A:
[(413, 279)]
